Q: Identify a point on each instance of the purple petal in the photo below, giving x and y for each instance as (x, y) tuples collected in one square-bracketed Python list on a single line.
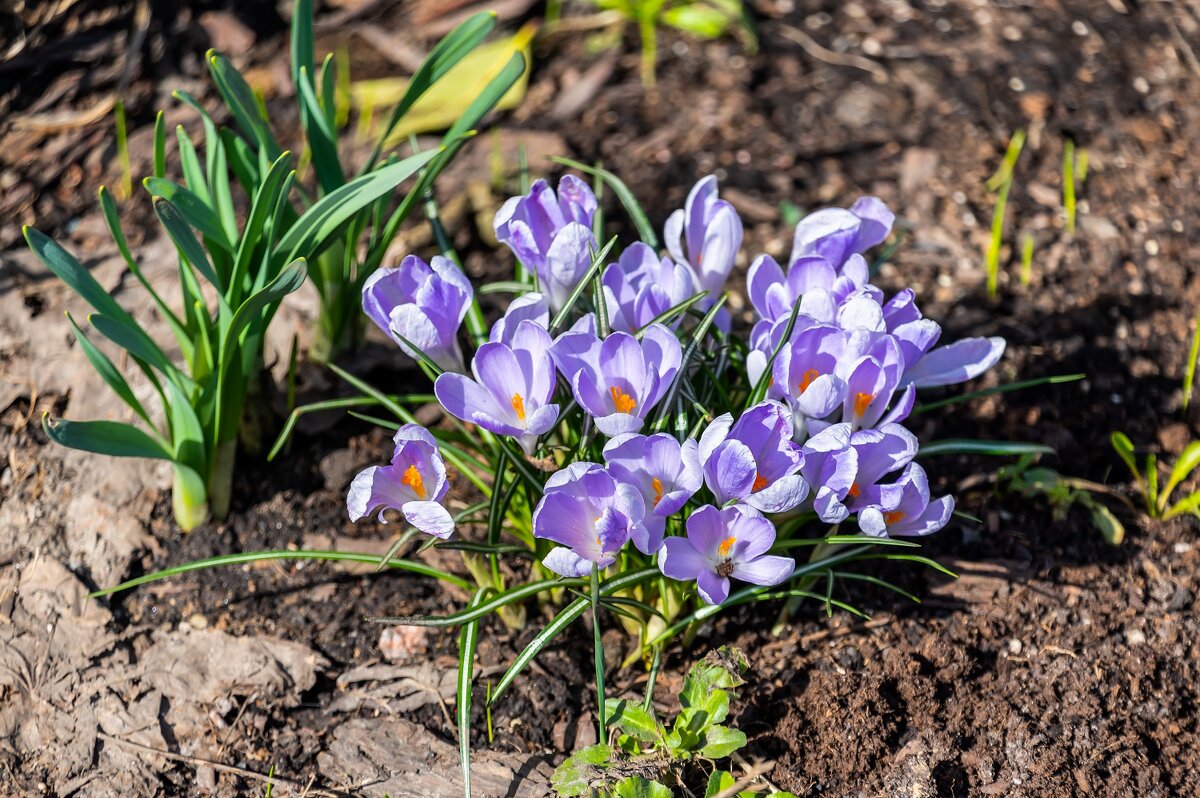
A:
[(766, 570), (713, 588), (828, 506), (876, 221), (429, 517), (673, 234), (679, 560), (371, 489), (958, 362), (712, 436), (707, 527), (730, 472), (764, 274), (785, 493), (618, 423), (565, 562)]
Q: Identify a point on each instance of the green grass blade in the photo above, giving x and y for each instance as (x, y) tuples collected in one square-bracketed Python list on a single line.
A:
[(1189, 373), (467, 640), (560, 319), (109, 372), (188, 245), (1057, 379), (1188, 461), (971, 446), (104, 437), (992, 255), (194, 209), (286, 554), (764, 381), (1009, 163)]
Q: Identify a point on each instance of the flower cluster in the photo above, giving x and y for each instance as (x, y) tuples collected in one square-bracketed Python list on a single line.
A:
[(843, 365)]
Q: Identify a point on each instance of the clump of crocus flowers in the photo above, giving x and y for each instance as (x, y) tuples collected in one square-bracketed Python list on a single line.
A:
[(609, 375)]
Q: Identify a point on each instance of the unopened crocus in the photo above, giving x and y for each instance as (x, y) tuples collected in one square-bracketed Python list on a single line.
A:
[(911, 513), (513, 387), (665, 471), (754, 460), (830, 468), (413, 483), (837, 233), (620, 379), (551, 233), (641, 286), (724, 544), (423, 303), (818, 285), (880, 452), (591, 514), (532, 307), (705, 234)]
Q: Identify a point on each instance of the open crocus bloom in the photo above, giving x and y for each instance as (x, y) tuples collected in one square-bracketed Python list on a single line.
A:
[(910, 512), (665, 471), (754, 460), (423, 303), (641, 286), (413, 483), (805, 374), (512, 389), (551, 233), (721, 544), (620, 379), (590, 513), (706, 235)]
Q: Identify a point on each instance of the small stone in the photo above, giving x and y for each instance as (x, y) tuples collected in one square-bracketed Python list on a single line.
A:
[(401, 643), (198, 622), (1135, 637), (1014, 646)]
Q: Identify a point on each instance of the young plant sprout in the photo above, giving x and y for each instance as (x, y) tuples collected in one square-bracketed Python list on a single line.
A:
[(1158, 501), (666, 466)]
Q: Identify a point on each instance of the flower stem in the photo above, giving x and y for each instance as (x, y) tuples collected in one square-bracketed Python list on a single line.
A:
[(598, 645)]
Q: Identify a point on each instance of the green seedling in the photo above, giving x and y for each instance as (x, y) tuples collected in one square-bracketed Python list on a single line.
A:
[(1001, 183), (1158, 501), (1062, 493)]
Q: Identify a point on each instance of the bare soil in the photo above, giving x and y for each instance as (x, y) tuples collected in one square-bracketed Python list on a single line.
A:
[(1055, 664)]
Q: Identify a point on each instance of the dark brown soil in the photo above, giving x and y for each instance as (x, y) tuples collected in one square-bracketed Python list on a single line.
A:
[(1056, 665)]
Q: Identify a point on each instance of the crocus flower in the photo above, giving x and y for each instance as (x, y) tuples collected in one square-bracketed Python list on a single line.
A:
[(954, 363), (665, 471), (830, 467), (706, 235), (818, 285), (805, 373), (620, 379), (551, 233), (512, 389), (880, 452), (413, 483), (754, 460), (527, 307), (720, 544), (836, 233), (640, 286), (912, 513), (424, 303), (590, 513)]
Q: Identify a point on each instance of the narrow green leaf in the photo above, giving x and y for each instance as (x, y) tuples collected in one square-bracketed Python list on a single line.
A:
[(1124, 449), (1057, 379), (970, 446), (286, 554), (1190, 504), (109, 372), (320, 134), (189, 247), (560, 319), (1188, 461), (467, 640), (134, 340), (104, 437), (239, 98), (197, 213), (160, 145)]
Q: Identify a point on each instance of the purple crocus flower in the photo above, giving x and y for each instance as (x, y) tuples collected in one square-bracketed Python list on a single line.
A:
[(413, 483), (806, 373), (830, 467), (665, 471), (754, 460), (551, 233), (954, 363), (706, 235), (640, 286), (818, 285), (422, 302), (527, 307), (836, 233), (880, 452), (911, 513), (618, 380), (590, 513), (512, 389), (720, 544)]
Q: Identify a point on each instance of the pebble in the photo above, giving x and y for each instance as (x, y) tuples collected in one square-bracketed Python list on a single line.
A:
[(1135, 637), (1014, 646), (198, 622), (1182, 548)]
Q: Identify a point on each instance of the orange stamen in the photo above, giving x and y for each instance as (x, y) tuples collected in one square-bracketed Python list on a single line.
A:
[(412, 478), (518, 404), (855, 491), (894, 517), (656, 483), (861, 402), (726, 547), (760, 482), (622, 402), (809, 377)]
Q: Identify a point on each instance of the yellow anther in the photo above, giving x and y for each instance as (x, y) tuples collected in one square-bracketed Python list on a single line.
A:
[(760, 482), (412, 478), (809, 377), (861, 402), (518, 404), (726, 547), (622, 402), (894, 517), (855, 491), (656, 483)]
